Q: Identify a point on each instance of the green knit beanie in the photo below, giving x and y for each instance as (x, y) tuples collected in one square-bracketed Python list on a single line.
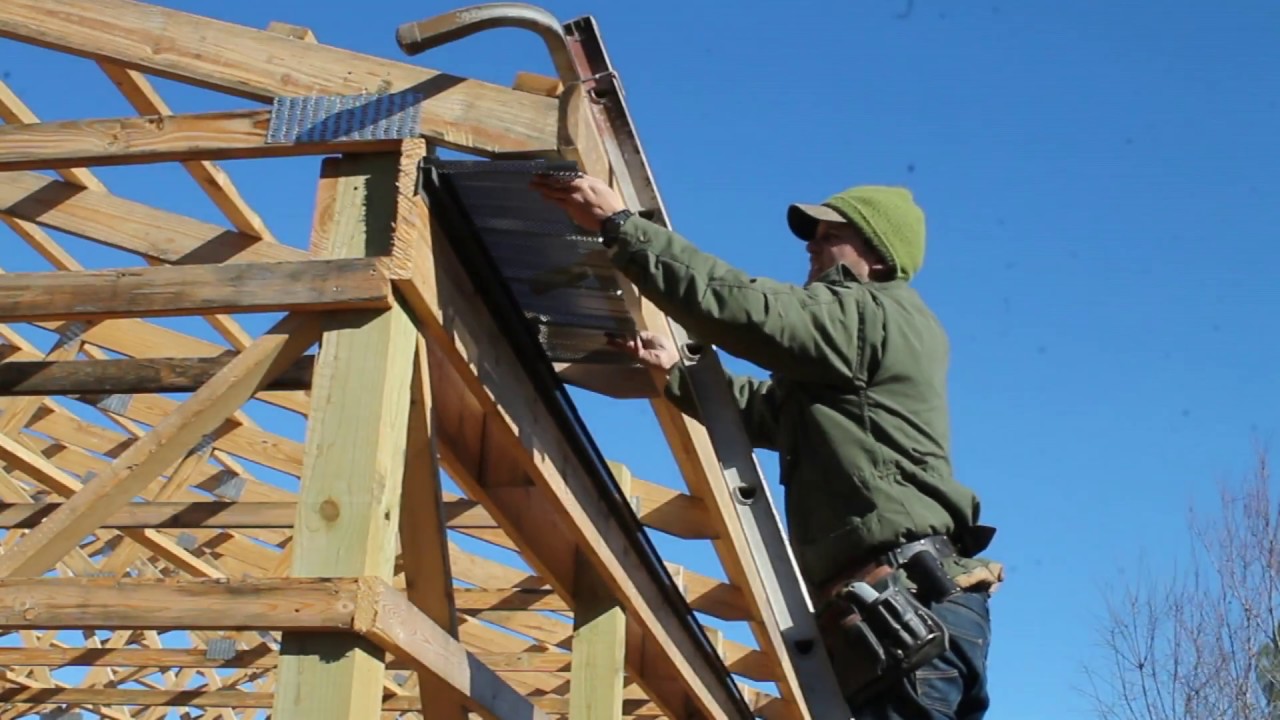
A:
[(889, 218)]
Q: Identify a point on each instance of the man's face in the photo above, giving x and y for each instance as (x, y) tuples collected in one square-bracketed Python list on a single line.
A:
[(832, 243)]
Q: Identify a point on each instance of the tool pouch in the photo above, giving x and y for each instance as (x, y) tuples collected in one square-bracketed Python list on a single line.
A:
[(877, 638)]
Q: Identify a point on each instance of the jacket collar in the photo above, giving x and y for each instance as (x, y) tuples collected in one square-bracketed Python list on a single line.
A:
[(838, 274)]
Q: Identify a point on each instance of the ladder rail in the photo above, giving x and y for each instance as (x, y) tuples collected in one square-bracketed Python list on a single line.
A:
[(769, 550)]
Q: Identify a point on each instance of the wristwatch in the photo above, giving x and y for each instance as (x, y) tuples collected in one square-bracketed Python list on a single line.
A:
[(612, 225)]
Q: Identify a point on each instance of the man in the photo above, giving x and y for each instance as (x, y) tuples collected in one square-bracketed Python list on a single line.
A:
[(855, 407)]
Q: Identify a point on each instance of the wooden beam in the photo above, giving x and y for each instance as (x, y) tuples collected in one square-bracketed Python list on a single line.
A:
[(357, 430), (230, 135), (164, 604), (142, 339), (40, 469), (398, 195), (165, 291), (15, 112), (234, 437), (296, 32), (176, 698), (101, 217), (206, 514), (182, 698), (214, 182), (658, 507), (509, 599), (403, 630), (541, 705), (131, 376), (671, 511), (459, 113), (363, 606), (704, 594), (599, 640), (466, 514), (260, 656), (423, 519), (135, 468), (169, 515), (144, 698), (627, 708), (142, 95), (526, 661), (544, 85)]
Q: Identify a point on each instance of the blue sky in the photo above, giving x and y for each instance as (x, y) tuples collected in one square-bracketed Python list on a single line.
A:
[(1100, 185)]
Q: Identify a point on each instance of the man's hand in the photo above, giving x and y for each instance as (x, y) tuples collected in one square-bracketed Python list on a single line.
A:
[(656, 351), (587, 200)]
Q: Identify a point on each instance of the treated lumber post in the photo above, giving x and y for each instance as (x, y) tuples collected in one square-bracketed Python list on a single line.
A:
[(353, 468), (599, 638)]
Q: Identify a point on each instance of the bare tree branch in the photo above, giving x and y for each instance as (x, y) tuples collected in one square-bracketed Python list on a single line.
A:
[(1203, 641)]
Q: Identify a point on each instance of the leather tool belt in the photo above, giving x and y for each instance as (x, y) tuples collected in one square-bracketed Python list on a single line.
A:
[(875, 630)]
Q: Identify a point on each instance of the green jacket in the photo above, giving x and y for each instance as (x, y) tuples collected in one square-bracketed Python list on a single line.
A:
[(855, 405)]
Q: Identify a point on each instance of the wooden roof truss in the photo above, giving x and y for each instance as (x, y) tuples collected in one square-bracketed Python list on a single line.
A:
[(145, 553)]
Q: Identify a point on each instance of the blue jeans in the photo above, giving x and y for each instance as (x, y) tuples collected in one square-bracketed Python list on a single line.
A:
[(954, 685)]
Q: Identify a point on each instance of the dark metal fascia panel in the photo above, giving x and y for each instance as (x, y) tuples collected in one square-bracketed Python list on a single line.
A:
[(560, 275)]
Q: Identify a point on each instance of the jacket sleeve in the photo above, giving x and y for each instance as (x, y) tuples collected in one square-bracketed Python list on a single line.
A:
[(780, 327), (756, 399)]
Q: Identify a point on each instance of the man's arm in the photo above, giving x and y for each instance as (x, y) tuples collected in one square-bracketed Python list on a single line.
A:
[(779, 326), (756, 399)]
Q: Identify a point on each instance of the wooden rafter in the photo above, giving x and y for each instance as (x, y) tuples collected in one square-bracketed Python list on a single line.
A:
[(104, 218)]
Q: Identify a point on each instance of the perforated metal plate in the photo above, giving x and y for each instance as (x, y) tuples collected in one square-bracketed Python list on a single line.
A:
[(118, 404), (335, 118), (220, 649), (228, 485)]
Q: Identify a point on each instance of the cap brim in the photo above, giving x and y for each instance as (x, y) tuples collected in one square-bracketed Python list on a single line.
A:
[(803, 219)]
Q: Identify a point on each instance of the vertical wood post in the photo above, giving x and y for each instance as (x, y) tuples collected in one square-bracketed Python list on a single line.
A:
[(349, 504), (599, 639)]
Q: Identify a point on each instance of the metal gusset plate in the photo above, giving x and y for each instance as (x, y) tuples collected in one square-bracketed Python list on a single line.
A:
[(336, 118)]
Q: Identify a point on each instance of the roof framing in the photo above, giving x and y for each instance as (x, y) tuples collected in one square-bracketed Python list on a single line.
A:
[(143, 505)]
